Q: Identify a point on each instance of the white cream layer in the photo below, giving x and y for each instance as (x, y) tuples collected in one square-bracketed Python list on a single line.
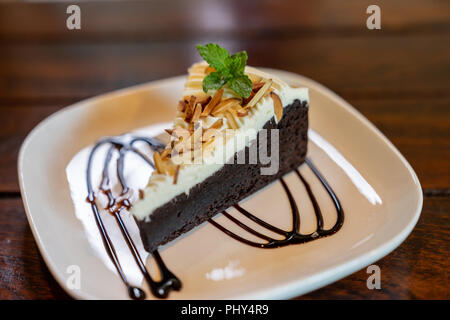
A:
[(161, 188)]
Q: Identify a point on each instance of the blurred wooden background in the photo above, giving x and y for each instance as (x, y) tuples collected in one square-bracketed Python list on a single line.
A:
[(398, 77)]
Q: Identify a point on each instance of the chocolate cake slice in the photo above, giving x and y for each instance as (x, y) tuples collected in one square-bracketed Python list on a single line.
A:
[(222, 149)]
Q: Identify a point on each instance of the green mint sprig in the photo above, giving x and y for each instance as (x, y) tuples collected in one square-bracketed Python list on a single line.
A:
[(229, 69)]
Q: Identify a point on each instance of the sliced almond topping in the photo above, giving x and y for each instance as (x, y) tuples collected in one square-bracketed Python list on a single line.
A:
[(247, 100), (175, 176), (277, 106), (203, 100), (165, 153), (259, 94), (197, 112), (213, 102), (192, 103), (181, 105), (169, 131), (232, 110), (217, 125), (225, 105), (159, 166), (257, 85), (190, 109), (241, 112), (231, 120)]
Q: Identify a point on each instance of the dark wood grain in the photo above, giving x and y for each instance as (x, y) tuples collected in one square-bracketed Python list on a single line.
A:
[(398, 77), (23, 273), (352, 66)]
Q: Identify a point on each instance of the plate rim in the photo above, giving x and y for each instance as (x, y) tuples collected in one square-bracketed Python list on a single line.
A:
[(284, 290)]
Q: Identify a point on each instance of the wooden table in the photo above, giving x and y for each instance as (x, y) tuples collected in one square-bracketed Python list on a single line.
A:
[(398, 77)]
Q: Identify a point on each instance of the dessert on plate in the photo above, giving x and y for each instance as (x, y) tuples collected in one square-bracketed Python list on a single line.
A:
[(236, 130)]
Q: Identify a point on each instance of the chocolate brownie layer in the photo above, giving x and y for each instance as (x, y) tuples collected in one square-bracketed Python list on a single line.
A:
[(230, 184)]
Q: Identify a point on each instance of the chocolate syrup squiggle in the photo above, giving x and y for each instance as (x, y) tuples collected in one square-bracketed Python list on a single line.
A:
[(169, 281), (293, 236)]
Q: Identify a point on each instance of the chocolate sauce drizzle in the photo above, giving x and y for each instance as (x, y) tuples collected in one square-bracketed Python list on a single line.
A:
[(169, 281), (293, 236)]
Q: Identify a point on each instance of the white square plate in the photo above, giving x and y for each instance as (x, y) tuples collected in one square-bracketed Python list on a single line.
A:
[(378, 189)]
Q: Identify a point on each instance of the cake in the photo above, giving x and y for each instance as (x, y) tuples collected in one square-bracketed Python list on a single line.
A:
[(222, 146)]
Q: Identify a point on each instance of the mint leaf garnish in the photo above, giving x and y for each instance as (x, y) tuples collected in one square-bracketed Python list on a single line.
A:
[(229, 69), (214, 55), (238, 62), (214, 80), (242, 85)]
